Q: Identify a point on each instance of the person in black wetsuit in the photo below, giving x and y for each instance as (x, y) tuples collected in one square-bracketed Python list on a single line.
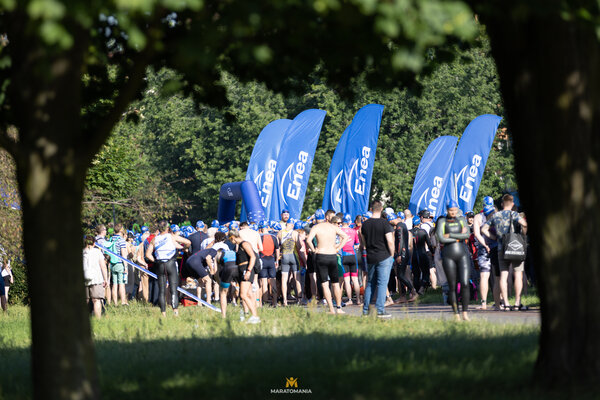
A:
[(421, 263), (451, 232), (401, 260)]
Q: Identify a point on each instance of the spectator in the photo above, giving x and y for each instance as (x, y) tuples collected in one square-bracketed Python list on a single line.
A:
[(94, 272), (379, 242)]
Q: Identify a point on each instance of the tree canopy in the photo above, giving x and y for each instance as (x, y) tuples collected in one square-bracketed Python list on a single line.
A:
[(194, 149)]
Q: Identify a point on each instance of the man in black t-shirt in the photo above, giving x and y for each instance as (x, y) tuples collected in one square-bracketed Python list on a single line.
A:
[(378, 237), (197, 238)]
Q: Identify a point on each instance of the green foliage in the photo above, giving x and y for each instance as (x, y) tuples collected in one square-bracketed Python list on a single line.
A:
[(200, 148)]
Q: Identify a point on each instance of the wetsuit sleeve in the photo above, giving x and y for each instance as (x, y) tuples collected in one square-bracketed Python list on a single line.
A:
[(461, 236), (428, 242), (440, 232), (405, 236)]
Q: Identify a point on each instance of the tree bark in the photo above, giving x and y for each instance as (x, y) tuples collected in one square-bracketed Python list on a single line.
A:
[(45, 92), (63, 362), (550, 79)]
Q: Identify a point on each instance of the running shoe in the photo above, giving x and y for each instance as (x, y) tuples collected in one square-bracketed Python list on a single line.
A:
[(253, 320), (384, 315)]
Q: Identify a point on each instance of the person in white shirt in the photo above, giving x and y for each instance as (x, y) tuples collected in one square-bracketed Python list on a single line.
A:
[(94, 273)]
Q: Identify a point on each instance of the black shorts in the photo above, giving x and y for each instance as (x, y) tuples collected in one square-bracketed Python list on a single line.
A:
[(229, 273), (310, 263), (327, 267), (242, 269), (195, 270), (268, 268), (349, 263)]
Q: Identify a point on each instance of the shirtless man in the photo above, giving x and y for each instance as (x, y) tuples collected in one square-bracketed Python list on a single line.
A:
[(326, 259)]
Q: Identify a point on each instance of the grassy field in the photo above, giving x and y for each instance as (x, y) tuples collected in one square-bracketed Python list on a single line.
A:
[(199, 355)]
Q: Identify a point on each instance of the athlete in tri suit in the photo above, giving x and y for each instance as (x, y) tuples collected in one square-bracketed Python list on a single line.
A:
[(350, 261), (246, 260), (451, 232), (289, 245), (201, 266), (418, 242), (228, 273), (163, 252), (269, 256)]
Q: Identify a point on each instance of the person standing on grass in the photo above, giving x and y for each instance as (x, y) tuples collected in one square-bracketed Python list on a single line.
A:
[(269, 256), (452, 232), (487, 257), (326, 259), (246, 260), (163, 252), (197, 238), (117, 268), (350, 261), (94, 273), (101, 240), (379, 243), (289, 245), (6, 274), (501, 221), (401, 255)]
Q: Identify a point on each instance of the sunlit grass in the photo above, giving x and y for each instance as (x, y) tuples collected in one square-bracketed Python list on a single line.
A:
[(200, 355)]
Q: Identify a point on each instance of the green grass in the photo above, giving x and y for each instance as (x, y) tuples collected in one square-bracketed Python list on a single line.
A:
[(199, 355)]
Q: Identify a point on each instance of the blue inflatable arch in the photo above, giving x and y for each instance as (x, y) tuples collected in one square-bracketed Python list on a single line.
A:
[(247, 192)]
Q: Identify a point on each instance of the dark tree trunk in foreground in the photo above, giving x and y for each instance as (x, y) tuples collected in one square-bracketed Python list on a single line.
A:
[(550, 80), (51, 167)]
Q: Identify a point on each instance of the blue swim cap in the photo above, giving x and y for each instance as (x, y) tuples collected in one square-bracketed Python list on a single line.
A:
[(200, 225), (347, 219), (263, 224), (285, 212), (145, 229), (487, 210), (352, 225), (368, 214), (214, 224), (391, 217), (320, 214), (253, 226), (488, 201), (223, 229), (175, 228), (234, 225), (299, 225), (452, 204), (401, 215), (416, 220), (276, 226)]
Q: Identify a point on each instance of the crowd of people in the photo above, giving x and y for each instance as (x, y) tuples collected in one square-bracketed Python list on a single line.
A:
[(331, 258)]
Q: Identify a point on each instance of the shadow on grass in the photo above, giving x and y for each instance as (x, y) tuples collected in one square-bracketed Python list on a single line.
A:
[(331, 366)]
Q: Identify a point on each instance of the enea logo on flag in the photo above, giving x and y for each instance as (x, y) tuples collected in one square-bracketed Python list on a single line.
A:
[(291, 386), (431, 203), (357, 180), (291, 186), (466, 177), (266, 187), (336, 191)]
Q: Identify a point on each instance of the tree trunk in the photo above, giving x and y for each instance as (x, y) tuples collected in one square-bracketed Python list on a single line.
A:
[(62, 350), (550, 80)]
